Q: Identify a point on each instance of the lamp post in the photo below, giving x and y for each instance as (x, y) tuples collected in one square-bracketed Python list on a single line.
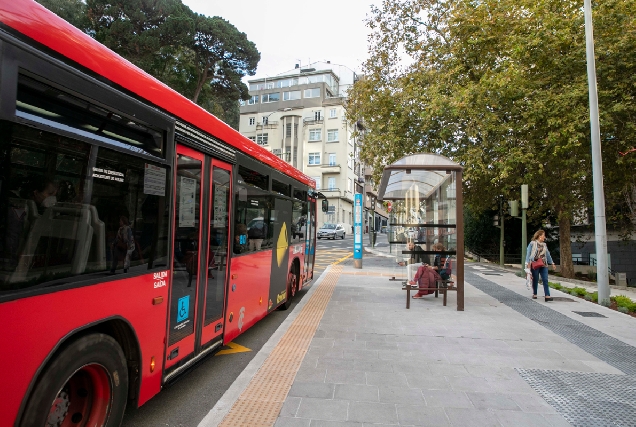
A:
[(600, 233), (501, 234), (524, 227)]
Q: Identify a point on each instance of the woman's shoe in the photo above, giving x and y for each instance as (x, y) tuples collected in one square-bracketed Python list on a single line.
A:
[(548, 299), (534, 297)]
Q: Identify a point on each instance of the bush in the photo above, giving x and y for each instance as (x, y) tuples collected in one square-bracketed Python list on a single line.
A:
[(556, 286), (623, 309), (594, 296), (606, 302), (581, 292), (520, 274), (623, 301), (588, 297)]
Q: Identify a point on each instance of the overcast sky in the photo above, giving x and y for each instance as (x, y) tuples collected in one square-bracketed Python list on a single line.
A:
[(287, 32)]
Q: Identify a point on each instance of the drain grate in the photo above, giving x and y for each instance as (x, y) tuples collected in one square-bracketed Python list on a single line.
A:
[(589, 314), (614, 352), (586, 399), (564, 299)]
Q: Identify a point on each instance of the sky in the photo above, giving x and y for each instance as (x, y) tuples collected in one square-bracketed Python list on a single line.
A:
[(289, 32)]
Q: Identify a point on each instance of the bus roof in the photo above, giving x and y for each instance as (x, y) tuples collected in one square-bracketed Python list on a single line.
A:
[(46, 28)]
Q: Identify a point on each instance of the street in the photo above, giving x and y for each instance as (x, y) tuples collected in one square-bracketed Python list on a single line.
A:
[(190, 398)]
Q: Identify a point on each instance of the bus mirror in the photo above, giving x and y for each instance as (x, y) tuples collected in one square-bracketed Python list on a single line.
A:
[(325, 205)]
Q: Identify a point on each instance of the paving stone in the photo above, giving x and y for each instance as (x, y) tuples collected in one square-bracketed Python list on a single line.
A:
[(462, 417), (521, 419), (386, 379), (531, 402), (378, 413), (339, 376), (320, 423), (446, 399), (401, 395), (292, 422), (428, 382), (311, 375), (290, 406), (321, 409), (361, 354), (318, 390), (357, 392), (330, 362), (372, 366), (470, 384), (448, 370), (493, 401), (421, 415)]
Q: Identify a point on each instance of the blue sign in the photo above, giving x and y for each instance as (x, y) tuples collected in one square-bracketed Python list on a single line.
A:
[(183, 307), (357, 227)]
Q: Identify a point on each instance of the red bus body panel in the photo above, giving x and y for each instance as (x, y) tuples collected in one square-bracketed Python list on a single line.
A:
[(248, 293), (43, 26), (38, 324)]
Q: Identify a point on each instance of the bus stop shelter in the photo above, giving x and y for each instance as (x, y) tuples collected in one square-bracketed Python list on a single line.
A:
[(427, 209)]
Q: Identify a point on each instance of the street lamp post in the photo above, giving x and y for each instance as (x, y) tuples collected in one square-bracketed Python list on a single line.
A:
[(600, 233), (524, 226)]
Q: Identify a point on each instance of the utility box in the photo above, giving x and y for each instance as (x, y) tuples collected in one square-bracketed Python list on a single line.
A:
[(621, 280)]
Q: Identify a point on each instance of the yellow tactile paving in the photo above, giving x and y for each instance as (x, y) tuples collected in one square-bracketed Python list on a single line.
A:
[(261, 402)]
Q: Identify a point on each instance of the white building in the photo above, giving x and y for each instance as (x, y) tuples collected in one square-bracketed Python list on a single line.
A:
[(299, 116)]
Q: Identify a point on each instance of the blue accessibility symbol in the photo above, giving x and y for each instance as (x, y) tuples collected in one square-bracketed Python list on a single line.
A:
[(183, 308)]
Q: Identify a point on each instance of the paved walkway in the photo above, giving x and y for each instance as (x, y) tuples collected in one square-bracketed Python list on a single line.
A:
[(506, 360)]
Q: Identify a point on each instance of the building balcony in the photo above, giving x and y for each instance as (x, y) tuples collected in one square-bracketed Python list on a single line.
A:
[(268, 125), (330, 168), (309, 121)]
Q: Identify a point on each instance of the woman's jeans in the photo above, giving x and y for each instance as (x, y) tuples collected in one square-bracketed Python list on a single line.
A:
[(543, 271)]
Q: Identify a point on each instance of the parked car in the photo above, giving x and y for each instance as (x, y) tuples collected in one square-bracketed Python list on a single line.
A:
[(331, 231)]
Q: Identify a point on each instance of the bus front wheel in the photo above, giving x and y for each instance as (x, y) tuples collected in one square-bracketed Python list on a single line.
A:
[(292, 288), (86, 384)]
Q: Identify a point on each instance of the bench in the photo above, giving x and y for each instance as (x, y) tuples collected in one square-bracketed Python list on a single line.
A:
[(442, 286)]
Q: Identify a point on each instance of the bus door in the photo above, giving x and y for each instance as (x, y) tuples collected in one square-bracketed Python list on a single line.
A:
[(218, 252), (199, 264)]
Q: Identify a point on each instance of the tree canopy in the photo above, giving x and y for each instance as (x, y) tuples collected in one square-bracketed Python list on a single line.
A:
[(500, 86), (203, 58)]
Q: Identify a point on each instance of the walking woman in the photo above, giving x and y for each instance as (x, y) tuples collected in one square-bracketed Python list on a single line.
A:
[(538, 251)]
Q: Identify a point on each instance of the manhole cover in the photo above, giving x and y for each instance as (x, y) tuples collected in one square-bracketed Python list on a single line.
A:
[(588, 314), (564, 299)]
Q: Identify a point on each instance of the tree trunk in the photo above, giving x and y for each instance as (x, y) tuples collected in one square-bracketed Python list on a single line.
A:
[(201, 81), (565, 245)]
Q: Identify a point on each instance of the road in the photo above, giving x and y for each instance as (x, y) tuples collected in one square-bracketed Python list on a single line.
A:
[(185, 402)]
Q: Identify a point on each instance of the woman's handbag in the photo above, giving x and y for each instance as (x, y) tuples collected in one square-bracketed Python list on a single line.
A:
[(537, 264)]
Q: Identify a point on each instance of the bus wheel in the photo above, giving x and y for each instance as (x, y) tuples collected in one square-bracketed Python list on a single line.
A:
[(292, 288), (86, 384)]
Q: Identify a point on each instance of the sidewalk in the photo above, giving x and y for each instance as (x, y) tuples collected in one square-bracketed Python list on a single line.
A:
[(506, 360)]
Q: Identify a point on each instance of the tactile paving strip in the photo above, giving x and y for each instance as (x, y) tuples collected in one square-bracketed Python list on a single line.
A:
[(261, 402), (586, 399), (610, 350)]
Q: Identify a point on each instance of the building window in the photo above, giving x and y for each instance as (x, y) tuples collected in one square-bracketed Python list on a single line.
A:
[(265, 120), (332, 159), (318, 180), (261, 139), (292, 95), (349, 184), (314, 158), (252, 138), (331, 183), (252, 121), (317, 115), (312, 93), (271, 97), (333, 113), (253, 100), (315, 134), (288, 130), (332, 135), (283, 83)]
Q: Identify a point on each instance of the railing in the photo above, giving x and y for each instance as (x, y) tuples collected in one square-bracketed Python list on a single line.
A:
[(284, 156), (307, 121), (268, 125)]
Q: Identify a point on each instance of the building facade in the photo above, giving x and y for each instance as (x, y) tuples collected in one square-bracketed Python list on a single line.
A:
[(299, 116)]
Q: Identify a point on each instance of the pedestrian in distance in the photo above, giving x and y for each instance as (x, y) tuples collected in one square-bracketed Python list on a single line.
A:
[(537, 260)]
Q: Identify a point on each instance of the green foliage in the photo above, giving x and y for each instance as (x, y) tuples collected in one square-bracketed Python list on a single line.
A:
[(623, 309), (605, 302), (500, 86), (556, 286), (203, 58), (623, 301), (594, 296), (579, 291)]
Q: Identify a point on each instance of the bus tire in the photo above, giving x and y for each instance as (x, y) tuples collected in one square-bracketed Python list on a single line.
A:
[(292, 288), (85, 384)]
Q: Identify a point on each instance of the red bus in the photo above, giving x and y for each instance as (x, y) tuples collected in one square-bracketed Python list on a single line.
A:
[(138, 233)]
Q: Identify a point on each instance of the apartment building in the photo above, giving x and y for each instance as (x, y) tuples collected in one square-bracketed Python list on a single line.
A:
[(299, 116)]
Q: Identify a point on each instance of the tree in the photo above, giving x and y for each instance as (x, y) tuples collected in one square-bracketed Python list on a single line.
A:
[(73, 11), (499, 86)]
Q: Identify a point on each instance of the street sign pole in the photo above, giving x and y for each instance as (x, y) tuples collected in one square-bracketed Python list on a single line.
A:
[(357, 231)]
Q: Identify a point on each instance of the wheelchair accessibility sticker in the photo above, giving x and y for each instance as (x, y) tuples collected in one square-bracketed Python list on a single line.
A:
[(183, 308)]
